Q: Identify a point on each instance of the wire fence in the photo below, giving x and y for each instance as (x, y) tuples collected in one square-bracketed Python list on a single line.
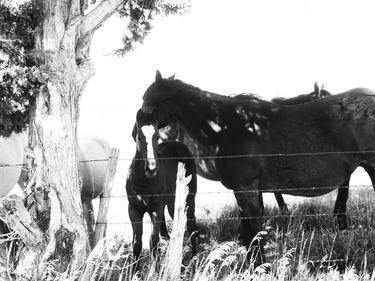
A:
[(321, 153), (271, 189), (237, 218), (360, 215)]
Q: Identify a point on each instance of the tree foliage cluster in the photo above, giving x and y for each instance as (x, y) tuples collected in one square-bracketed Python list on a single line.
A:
[(20, 78), (140, 14)]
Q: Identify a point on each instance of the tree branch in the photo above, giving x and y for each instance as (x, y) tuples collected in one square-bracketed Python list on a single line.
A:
[(99, 15)]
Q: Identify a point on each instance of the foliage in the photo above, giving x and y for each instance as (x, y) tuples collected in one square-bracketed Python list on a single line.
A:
[(19, 76), (140, 14)]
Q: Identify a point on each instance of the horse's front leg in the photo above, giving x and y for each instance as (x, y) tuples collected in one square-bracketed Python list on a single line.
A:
[(156, 220), (248, 200), (136, 218)]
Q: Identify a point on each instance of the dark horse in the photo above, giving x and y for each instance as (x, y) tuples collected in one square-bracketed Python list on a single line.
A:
[(151, 183), (242, 142), (343, 190), (174, 132), (313, 96)]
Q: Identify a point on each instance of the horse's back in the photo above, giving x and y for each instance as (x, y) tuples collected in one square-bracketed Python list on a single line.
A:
[(93, 155), (335, 124), (11, 160)]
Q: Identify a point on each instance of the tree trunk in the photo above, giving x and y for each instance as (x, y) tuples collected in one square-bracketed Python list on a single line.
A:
[(50, 222), (52, 225)]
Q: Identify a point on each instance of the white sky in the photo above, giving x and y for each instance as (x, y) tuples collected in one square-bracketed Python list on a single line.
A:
[(267, 47)]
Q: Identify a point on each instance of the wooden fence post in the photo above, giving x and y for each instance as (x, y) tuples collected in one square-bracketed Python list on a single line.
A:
[(101, 227)]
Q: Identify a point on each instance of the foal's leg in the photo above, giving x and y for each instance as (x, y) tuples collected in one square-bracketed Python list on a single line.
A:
[(191, 222), (136, 218), (156, 220), (280, 201), (163, 227), (340, 205), (88, 212)]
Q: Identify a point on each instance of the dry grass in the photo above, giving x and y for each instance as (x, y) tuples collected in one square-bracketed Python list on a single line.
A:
[(300, 248)]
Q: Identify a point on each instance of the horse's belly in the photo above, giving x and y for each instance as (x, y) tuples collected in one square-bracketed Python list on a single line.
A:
[(307, 177)]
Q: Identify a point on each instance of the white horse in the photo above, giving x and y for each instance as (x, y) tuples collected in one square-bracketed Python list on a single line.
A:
[(93, 173), (11, 161)]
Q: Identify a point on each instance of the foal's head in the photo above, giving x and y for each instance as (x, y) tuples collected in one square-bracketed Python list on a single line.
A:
[(146, 135)]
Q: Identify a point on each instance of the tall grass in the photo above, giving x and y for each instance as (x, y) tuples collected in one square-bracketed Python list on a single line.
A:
[(298, 248)]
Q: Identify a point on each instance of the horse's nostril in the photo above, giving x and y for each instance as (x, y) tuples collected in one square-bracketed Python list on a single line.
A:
[(151, 173)]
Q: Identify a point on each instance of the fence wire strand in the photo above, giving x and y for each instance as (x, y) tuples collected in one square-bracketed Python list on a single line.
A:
[(257, 191), (322, 153), (351, 215)]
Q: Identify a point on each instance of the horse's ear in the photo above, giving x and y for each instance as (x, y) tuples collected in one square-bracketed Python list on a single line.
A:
[(323, 87), (139, 115), (158, 76), (172, 77), (135, 131), (316, 88)]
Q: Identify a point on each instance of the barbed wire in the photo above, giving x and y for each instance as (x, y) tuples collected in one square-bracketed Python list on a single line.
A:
[(351, 215), (272, 190), (323, 153)]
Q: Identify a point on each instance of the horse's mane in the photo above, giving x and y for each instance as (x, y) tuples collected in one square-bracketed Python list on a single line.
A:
[(178, 84), (247, 97), (173, 86)]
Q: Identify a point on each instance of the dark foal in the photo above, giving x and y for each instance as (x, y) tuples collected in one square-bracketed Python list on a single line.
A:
[(151, 183)]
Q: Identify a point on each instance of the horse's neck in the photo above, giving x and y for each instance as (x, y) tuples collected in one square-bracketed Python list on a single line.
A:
[(197, 114), (139, 173)]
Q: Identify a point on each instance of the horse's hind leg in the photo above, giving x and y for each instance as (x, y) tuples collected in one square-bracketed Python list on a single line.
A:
[(89, 214), (370, 171), (340, 205), (280, 201)]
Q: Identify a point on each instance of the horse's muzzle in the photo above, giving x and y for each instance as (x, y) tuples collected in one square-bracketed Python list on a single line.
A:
[(151, 168)]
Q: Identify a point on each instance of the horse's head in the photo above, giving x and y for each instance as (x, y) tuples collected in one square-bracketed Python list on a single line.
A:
[(146, 136), (157, 96)]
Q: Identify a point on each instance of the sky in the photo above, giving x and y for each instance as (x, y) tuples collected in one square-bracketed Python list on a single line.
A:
[(266, 47), (270, 48)]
